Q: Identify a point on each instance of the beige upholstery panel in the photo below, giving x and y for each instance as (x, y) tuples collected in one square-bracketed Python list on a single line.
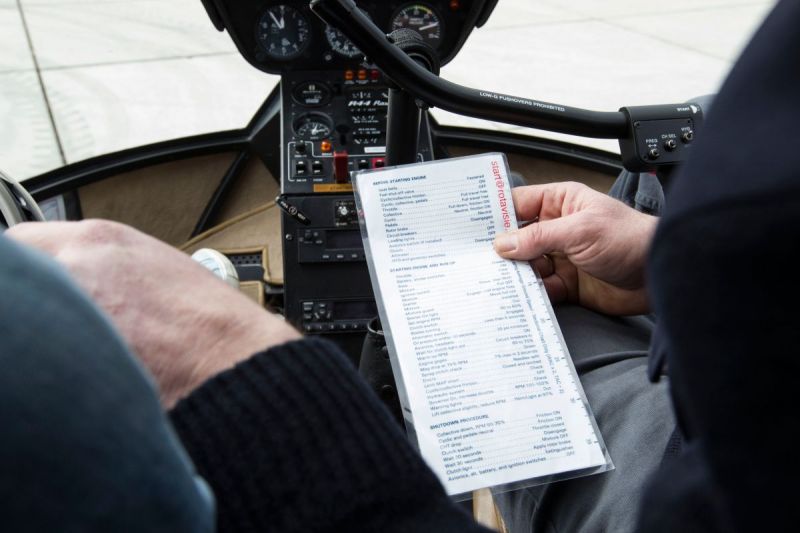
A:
[(536, 170), (254, 187), (253, 290), (163, 200), (485, 511), (258, 228)]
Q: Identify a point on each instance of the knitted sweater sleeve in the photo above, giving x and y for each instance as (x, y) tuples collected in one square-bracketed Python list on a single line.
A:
[(293, 440)]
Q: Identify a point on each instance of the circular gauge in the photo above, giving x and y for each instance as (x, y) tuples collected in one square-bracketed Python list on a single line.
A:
[(312, 94), (283, 32), (313, 127), (341, 44), (422, 19)]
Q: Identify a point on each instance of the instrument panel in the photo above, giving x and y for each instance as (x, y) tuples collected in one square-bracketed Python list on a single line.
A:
[(333, 121), (277, 36)]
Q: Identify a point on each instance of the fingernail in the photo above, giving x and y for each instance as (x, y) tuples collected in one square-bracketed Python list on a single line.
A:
[(506, 242)]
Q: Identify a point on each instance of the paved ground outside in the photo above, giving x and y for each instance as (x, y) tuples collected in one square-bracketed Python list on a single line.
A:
[(79, 78)]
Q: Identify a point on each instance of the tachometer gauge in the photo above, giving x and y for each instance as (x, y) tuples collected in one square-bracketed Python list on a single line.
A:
[(313, 127), (283, 32), (421, 18)]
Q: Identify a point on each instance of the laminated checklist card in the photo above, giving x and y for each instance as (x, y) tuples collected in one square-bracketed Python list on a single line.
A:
[(489, 393)]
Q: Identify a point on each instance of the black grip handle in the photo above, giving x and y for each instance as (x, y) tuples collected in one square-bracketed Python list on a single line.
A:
[(435, 91)]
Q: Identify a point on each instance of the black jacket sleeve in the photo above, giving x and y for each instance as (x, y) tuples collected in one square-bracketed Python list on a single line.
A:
[(293, 440), (725, 288)]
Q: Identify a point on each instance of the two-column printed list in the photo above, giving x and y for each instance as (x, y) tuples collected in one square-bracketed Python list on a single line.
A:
[(493, 396)]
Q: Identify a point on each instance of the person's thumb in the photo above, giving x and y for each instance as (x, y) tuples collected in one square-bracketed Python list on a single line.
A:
[(535, 239)]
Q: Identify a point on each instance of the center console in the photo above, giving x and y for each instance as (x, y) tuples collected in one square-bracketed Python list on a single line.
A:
[(334, 104), (333, 123)]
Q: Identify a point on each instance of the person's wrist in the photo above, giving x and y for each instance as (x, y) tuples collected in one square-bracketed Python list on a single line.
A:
[(637, 299), (639, 236), (648, 229), (233, 340)]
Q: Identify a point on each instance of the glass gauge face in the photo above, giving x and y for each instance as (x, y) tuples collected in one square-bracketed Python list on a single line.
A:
[(313, 127), (312, 94), (423, 20), (341, 44), (283, 32)]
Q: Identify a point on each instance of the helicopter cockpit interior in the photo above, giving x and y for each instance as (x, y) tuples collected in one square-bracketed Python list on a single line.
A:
[(333, 120), (276, 196), (302, 255), (357, 82)]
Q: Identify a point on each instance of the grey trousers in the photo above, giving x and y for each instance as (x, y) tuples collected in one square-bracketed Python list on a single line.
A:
[(634, 417), (85, 445)]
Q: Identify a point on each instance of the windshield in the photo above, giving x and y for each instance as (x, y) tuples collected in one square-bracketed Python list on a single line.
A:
[(80, 79), (604, 55)]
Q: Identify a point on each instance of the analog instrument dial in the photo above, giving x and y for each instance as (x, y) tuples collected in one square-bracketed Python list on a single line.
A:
[(283, 32), (313, 127), (312, 94), (421, 18), (341, 44)]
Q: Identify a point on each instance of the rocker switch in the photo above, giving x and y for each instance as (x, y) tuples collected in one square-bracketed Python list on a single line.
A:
[(340, 167)]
